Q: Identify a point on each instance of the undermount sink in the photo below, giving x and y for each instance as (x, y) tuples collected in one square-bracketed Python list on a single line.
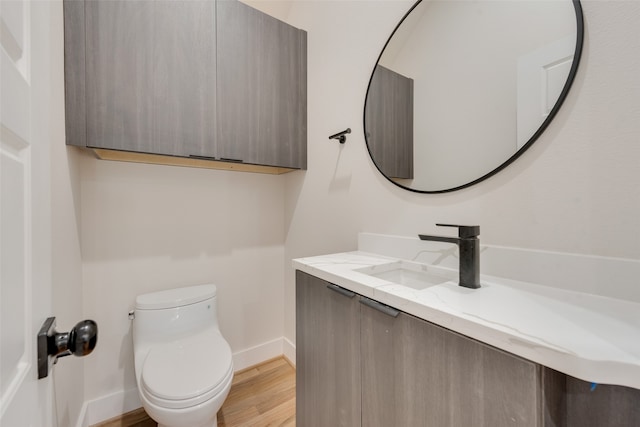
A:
[(409, 274)]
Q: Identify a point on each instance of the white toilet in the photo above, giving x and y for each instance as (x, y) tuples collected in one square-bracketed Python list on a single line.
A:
[(183, 363)]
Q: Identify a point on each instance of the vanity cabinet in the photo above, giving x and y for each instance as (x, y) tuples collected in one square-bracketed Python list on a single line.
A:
[(196, 79), (362, 363), (357, 365)]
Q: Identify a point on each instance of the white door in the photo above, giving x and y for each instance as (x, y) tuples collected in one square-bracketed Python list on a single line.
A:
[(25, 229), (542, 75)]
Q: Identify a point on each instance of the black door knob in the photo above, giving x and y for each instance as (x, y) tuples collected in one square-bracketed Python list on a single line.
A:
[(83, 338), (79, 341)]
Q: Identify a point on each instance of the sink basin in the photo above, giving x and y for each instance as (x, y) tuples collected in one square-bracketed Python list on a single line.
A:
[(409, 274)]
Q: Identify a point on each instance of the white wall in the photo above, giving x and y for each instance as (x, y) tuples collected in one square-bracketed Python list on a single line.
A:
[(147, 228), (66, 274), (575, 190), (66, 268)]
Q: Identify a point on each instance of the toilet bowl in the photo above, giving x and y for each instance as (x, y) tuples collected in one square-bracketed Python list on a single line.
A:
[(183, 364)]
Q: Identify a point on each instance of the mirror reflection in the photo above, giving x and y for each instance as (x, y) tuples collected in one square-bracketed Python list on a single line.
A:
[(463, 87)]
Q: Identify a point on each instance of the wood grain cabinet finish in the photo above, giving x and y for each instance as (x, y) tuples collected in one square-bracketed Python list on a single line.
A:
[(586, 405), (358, 366), (389, 123), (145, 76), (262, 95), (419, 374), (150, 76), (327, 355)]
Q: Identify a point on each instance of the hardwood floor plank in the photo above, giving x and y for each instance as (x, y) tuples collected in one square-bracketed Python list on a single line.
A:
[(279, 397), (137, 418), (262, 395), (250, 399), (279, 415)]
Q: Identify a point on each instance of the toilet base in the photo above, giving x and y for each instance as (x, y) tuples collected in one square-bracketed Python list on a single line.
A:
[(195, 416)]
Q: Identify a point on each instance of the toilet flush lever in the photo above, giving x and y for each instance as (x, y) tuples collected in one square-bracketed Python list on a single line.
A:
[(80, 341)]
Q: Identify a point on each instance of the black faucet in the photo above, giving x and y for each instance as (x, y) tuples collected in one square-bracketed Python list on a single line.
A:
[(469, 245)]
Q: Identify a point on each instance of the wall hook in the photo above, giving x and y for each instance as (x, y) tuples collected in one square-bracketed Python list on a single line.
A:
[(340, 136)]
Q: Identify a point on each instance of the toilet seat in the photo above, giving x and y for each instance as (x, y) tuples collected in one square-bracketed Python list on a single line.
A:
[(187, 372)]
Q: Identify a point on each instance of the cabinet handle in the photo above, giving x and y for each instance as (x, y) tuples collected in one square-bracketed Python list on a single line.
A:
[(342, 291), (389, 311), (222, 159)]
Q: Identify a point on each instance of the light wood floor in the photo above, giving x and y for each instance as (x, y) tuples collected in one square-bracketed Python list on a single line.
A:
[(263, 395)]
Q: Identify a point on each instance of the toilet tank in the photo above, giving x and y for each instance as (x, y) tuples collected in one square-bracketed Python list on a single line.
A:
[(165, 315)]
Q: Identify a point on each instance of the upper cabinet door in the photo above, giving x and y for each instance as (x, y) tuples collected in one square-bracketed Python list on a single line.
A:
[(184, 77), (119, 66), (150, 76), (261, 92)]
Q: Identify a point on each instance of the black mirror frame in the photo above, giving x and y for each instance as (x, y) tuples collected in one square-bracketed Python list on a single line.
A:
[(563, 94)]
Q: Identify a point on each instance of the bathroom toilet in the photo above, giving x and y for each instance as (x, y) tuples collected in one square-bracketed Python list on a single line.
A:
[(183, 364)]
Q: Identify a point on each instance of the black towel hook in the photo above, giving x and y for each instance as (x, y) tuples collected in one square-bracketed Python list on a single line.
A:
[(340, 136)]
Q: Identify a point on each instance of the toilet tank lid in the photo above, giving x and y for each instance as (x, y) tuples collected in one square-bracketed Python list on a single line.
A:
[(175, 297)]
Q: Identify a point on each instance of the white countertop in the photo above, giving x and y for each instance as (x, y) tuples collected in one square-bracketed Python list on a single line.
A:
[(594, 338)]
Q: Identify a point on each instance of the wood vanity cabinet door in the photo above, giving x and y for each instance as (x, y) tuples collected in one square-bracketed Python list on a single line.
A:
[(419, 374), (389, 122), (602, 406), (261, 92), (327, 355), (150, 76)]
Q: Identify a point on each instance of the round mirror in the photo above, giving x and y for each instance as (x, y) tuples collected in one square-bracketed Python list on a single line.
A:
[(462, 88)]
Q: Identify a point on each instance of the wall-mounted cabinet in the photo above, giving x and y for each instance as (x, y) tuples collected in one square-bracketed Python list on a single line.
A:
[(214, 80), (360, 363)]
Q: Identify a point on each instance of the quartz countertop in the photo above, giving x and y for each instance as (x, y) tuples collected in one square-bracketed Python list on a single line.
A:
[(590, 337)]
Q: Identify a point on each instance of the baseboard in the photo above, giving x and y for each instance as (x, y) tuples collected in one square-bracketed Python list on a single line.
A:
[(289, 351), (82, 418), (104, 408), (254, 355)]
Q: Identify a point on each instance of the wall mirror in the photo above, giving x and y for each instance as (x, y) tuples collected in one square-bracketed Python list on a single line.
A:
[(464, 87)]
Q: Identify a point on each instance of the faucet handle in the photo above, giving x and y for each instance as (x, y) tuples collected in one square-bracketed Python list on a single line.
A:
[(464, 231)]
